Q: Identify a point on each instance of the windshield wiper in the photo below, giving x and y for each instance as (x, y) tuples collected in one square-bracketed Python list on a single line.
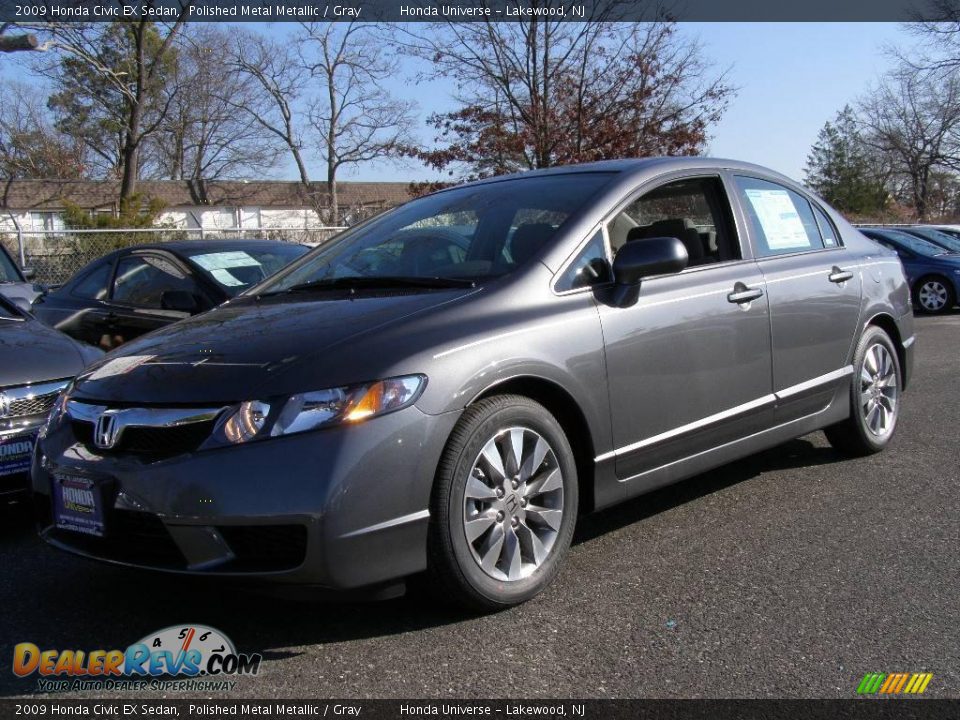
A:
[(385, 281)]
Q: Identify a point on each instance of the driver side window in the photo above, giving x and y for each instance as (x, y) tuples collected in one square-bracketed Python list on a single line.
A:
[(693, 210)]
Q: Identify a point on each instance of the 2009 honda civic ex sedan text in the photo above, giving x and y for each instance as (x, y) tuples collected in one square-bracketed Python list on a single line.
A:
[(447, 386)]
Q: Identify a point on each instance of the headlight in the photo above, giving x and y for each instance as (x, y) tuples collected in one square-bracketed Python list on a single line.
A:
[(312, 410)]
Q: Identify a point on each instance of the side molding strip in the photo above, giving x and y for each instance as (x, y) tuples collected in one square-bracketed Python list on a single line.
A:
[(402, 520), (732, 412)]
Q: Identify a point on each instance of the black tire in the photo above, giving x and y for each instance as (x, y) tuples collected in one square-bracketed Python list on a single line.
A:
[(934, 289), (854, 435), (453, 568)]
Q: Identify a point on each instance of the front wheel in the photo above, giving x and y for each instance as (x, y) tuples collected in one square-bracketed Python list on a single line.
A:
[(504, 505), (874, 397)]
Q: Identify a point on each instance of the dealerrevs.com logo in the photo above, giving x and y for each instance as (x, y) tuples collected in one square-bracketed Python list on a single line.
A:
[(180, 657)]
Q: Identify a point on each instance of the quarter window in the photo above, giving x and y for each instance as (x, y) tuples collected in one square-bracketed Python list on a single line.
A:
[(782, 220), (827, 232), (589, 268)]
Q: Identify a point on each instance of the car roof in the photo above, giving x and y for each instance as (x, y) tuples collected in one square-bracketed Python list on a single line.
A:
[(181, 246), (638, 165)]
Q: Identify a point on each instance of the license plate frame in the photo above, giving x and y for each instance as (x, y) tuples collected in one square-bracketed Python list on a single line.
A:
[(80, 502), (17, 460)]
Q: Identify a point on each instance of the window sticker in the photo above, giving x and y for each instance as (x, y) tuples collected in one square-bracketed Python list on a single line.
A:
[(224, 277), (779, 219), (225, 260)]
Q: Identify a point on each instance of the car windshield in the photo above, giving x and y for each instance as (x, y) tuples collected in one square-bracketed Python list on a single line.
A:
[(237, 268), (912, 242), (8, 271), (465, 234)]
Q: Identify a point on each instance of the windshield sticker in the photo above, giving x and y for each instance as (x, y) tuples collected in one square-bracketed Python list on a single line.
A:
[(224, 277), (779, 219), (225, 260)]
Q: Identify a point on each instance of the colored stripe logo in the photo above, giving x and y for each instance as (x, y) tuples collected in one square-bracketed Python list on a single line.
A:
[(894, 683)]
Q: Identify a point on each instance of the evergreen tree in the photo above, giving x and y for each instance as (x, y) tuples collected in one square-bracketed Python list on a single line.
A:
[(843, 170)]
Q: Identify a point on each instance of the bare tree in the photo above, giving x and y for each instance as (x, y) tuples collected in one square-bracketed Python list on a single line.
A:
[(203, 136), (278, 79), (30, 146), (354, 117), (118, 69), (536, 92), (322, 96), (913, 118)]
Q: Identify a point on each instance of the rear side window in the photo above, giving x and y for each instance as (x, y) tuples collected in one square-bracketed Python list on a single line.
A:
[(93, 285), (782, 220)]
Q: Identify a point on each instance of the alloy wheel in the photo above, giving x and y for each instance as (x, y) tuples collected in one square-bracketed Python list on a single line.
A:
[(879, 392), (513, 504), (933, 295)]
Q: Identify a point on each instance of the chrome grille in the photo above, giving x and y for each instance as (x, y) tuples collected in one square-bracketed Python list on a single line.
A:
[(29, 400)]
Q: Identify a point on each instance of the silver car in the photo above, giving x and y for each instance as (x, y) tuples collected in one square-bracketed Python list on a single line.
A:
[(449, 386)]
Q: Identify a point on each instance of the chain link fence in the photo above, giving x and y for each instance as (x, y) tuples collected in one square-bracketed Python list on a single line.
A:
[(55, 255)]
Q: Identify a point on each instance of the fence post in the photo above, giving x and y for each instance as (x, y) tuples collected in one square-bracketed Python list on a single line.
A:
[(23, 253)]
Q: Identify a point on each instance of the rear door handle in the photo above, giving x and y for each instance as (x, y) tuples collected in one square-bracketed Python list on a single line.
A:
[(839, 276), (742, 294)]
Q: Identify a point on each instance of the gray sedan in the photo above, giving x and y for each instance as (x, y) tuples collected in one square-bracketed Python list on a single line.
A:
[(449, 386)]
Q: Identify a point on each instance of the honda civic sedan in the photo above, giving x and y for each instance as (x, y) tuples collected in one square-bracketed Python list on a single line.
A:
[(447, 387)]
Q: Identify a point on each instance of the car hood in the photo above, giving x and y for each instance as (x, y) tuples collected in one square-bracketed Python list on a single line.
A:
[(32, 352), (247, 349)]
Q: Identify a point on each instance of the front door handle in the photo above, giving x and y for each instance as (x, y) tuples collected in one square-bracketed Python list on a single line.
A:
[(839, 276), (742, 294)]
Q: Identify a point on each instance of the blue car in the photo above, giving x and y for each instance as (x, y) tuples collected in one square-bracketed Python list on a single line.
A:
[(932, 271)]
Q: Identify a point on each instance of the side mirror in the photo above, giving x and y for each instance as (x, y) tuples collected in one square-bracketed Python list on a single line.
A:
[(179, 301), (29, 273), (642, 258)]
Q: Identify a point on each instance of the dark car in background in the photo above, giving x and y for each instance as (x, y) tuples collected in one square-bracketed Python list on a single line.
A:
[(932, 271), (133, 291), (36, 363), (14, 282)]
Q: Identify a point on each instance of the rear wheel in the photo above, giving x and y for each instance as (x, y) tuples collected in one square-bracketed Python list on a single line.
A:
[(504, 505), (934, 294), (874, 397)]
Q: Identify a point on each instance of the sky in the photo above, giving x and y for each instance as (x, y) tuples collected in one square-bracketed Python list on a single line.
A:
[(792, 78)]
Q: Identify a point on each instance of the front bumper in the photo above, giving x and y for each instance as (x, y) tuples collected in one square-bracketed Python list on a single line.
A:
[(344, 507)]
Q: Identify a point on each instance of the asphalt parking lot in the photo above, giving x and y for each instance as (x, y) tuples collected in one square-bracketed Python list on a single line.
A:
[(789, 574)]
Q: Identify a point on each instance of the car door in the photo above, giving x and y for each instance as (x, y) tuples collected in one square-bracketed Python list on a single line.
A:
[(689, 363), (81, 308), (813, 285), (136, 300)]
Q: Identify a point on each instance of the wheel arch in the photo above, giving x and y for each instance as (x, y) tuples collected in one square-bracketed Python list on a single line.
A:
[(885, 322), (568, 413)]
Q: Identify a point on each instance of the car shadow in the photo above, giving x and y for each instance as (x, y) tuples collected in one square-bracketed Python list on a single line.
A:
[(82, 604), (792, 454)]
